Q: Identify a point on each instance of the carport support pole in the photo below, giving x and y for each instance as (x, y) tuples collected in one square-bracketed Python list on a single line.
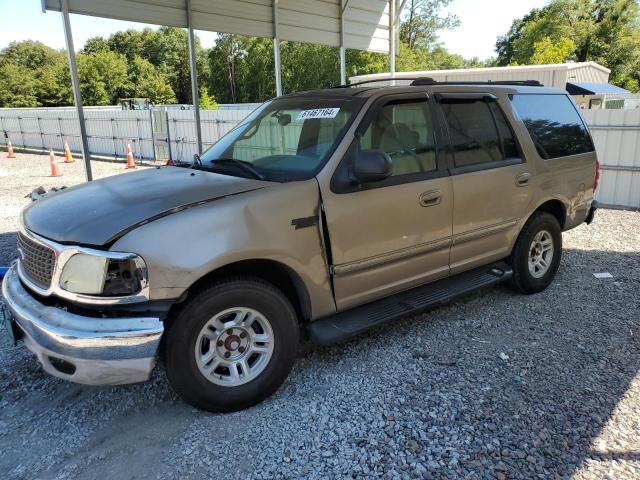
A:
[(75, 84), (343, 50), (392, 39), (276, 49), (194, 76)]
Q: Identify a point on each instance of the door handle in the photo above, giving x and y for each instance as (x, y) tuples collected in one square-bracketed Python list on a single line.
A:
[(430, 198), (523, 179)]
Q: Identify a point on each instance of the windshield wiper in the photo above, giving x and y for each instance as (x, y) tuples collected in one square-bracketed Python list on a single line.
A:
[(242, 164)]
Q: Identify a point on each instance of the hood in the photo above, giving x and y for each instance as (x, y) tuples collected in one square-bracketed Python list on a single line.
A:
[(97, 213)]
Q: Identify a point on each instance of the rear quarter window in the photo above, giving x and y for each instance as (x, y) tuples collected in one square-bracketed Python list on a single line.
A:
[(556, 128)]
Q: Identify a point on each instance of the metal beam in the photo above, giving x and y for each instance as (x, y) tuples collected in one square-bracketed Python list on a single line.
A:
[(276, 49), (75, 85), (193, 66), (343, 51), (392, 39)]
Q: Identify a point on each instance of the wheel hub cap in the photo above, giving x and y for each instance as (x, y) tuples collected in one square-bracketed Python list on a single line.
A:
[(540, 254), (234, 346)]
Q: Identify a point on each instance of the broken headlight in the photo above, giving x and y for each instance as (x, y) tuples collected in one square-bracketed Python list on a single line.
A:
[(104, 276)]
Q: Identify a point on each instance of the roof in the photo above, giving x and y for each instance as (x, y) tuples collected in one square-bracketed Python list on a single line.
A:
[(489, 70), (585, 88), (366, 22)]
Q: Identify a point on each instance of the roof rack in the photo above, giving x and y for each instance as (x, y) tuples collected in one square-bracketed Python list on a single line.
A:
[(431, 81), (375, 80), (422, 81)]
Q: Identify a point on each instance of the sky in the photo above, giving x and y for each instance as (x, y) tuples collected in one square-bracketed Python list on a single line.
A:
[(481, 23)]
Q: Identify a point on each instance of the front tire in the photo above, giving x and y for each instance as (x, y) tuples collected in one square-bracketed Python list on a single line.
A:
[(231, 345), (536, 255)]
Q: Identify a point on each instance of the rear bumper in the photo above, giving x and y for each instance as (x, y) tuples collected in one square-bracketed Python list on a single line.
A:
[(592, 212), (94, 351)]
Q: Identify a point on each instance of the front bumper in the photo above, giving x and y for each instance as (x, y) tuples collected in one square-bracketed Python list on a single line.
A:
[(93, 351)]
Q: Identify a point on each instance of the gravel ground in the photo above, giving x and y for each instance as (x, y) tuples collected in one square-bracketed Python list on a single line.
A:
[(496, 385)]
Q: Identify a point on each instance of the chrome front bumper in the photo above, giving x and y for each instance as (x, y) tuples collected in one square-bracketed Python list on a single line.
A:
[(93, 351)]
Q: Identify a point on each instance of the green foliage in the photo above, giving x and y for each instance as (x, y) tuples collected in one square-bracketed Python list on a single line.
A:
[(603, 31), (146, 81), (18, 87), (422, 22), (547, 51), (31, 75), (207, 102)]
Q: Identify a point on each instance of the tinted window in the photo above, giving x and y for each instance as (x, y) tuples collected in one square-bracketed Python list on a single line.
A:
[(404, 131), (554, 125), (479, 133)]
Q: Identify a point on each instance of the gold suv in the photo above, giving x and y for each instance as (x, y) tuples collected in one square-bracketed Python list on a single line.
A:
[(320, 215)]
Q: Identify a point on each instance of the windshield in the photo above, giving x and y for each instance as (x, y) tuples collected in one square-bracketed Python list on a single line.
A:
[(284, 139)]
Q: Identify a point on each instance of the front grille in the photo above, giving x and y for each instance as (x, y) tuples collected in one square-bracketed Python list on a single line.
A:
[(37, 261)]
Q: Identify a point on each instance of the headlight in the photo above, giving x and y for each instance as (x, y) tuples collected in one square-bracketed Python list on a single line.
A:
[(103, 275)]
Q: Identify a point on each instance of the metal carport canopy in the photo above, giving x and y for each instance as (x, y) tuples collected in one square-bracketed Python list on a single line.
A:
[(358, 24), (366, 22)]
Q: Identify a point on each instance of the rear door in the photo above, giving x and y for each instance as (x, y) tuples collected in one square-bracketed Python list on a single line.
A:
[(491, 180), (394, 234)]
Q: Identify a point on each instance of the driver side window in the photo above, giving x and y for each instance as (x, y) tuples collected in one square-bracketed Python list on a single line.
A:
[(403, 130)]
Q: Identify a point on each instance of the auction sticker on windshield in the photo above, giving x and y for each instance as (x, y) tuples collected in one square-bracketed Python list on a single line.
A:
[(318, 113)]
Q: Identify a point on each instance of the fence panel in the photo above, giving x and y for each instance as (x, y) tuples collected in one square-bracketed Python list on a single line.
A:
[(616, 134), (110, 129)]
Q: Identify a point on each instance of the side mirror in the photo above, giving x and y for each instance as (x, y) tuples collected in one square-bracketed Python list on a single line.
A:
[(371, 166)]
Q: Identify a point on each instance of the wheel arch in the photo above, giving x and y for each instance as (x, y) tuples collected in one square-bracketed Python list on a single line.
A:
[(276, 273), (553, 206)]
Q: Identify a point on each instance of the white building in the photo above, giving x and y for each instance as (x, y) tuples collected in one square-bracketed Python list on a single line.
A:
[(586, 81)]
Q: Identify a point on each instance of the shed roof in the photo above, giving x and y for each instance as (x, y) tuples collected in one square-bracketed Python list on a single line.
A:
[(586, 88), (490, 71)]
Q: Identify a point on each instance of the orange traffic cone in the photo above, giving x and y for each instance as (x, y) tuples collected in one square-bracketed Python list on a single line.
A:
[(130, 162), (67, 153), (10, 153), (54, 166)]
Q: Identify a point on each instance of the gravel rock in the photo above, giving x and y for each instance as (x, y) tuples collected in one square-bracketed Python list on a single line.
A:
[(428, 398)]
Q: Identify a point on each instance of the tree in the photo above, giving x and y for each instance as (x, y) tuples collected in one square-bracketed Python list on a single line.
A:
[(92, 87), (603, 31), (423, 20), (54, 84), (31, 75), (18, 88), (95, 45), (147, 82), (167, 49), (109, 69), (547, 51), (207, 102)]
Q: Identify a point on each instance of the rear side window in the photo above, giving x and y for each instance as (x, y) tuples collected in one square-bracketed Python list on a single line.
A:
[(479, 133), (554, 125)]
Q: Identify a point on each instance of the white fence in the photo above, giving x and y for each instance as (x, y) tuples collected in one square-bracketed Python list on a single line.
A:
[(109, 130), (616, 134)]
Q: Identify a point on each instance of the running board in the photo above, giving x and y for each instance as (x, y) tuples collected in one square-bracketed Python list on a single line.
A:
[(343, 325)]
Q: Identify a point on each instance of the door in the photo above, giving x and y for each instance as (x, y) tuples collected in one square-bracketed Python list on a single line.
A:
[(160, 133), (491, 181), (394, 234)]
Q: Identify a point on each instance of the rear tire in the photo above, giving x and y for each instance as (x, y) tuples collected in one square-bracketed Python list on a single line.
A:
[(231, 345), (536, 255)]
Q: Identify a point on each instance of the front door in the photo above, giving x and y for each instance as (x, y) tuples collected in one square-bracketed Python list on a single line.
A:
[(394, 234)]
